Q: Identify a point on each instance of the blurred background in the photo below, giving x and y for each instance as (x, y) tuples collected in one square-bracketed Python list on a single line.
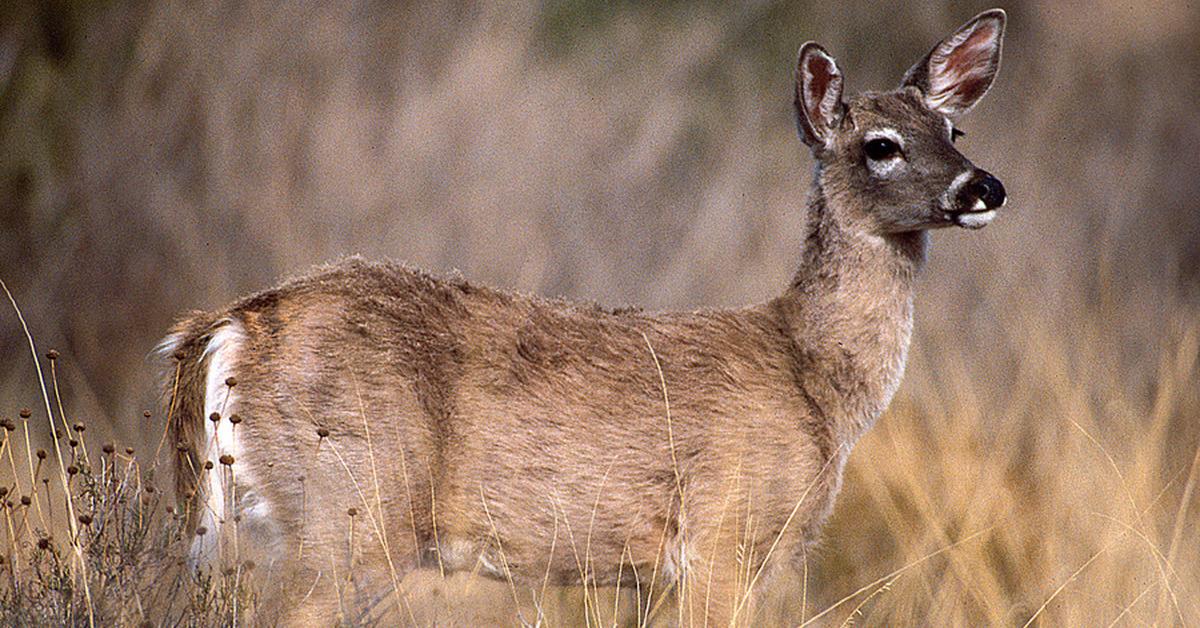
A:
[(159, 157)]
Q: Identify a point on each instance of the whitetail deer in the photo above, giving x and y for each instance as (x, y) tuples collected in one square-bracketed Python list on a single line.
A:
[(539, 440)]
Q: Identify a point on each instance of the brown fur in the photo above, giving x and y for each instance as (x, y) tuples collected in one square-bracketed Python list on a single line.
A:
[(544, 438)]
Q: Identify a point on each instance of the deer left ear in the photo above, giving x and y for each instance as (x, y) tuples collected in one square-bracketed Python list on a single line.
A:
[(958, 71), (819, 107)]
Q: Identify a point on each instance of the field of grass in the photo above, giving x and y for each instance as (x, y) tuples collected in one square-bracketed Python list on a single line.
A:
[(1039, 464)]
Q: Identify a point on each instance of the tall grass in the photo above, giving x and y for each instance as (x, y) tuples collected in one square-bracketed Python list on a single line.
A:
[(165, 156)]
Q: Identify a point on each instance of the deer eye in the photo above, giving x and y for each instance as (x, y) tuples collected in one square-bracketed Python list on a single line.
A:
[(881, 148)]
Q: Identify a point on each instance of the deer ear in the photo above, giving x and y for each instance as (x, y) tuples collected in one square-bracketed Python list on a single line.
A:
[(958, 71), (819, 107)]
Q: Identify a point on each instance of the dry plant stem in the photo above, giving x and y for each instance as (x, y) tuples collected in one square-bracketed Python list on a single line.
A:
[(375, 523), (13, 547), (849, 621), (1070, 578), (804, 591), (1157, 556), (1184, 502), (341, 593), (381, 530), (559, 510), (303, 517), (891, 576), (670, 430), (33, 473), (549, 562), (62, 414), (350, 545), (503, 561), (1159, 559), (651, 609), (58, 453), (713, 550), (1129, 606), (170, 412), (620, 573), (12, 462), (674, 465), (412, 509), (437, 541), (587, 545)]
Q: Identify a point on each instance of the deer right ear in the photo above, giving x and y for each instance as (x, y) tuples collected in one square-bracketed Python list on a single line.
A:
[(819, 107), (960, 69)]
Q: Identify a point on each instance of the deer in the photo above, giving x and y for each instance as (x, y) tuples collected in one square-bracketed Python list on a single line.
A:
[(369, 419)]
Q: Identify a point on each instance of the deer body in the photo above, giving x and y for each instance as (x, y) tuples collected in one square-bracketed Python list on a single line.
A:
[(544, 440)]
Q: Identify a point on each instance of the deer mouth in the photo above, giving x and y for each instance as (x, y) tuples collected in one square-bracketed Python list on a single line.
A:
[(977, 217)]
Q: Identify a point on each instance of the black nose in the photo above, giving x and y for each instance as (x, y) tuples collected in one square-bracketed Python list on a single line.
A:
[(986, 188)]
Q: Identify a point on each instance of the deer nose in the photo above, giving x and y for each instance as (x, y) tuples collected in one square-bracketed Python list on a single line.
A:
[(986, 188)]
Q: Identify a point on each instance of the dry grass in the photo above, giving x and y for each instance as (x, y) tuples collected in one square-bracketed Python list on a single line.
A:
[(160, 157)]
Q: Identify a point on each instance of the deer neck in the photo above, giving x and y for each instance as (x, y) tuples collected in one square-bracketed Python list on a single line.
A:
[(848, 313)]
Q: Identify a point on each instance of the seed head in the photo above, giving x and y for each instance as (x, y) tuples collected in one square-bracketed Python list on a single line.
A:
[(235, 418), (85, 519), (41, 454), (8, 425), (26, 413), (201, 531), (129, 451), (108, 448), (214, 417), (25, 500), (79, 427), (352, 511), (208, 464), (3, 491), (322, 432), (72, 470), (225, 459), (72, 442), (146, 414), (43, 543), (52, 355), (231, 381)]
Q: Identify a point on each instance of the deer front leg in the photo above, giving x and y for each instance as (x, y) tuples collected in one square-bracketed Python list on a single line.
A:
[(711, 585)]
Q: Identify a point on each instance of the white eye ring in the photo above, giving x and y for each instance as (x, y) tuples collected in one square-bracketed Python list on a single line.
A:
[(886, 133)]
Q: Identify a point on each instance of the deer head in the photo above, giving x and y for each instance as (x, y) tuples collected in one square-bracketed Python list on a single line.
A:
[(887, 161)]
